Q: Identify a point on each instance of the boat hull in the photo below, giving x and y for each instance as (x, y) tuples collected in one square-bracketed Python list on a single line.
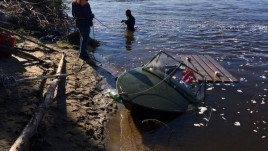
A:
[(144, 92)]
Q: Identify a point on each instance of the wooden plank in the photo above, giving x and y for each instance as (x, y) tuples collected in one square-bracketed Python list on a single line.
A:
[(214, 69), (201, 69), (183, 58), (206, 68), (198, 67), (222, 70)]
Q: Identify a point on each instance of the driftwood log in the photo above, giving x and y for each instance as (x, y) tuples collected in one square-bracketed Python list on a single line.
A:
[(43, 77), (23, 140)]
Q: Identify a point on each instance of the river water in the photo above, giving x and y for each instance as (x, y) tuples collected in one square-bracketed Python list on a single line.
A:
[(234, 32)]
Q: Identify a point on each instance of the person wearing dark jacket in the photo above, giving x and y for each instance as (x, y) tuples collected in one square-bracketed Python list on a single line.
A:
[(83, 16), (130, 22)]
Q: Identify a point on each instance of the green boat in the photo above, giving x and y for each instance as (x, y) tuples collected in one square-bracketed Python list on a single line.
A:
[(165, 85)]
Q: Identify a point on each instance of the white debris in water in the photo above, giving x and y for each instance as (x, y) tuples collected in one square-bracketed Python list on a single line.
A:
[(206, 119), (251, 112), (265, 89), (242, 79), (209, 89), (223, 108), (201, 124), (253, 101), (255, 131), (263, 136), (214, 110), (223, 118), (221, 114), (237, 124), (264, 77), (264, 122), (238, 112), (262, 102), (202, 110), (240, 91), (248, 109), (223, 98), (218, 84), (197, 125)]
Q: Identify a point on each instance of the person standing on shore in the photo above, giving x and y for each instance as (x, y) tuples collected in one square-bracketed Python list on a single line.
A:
[(83, 16), (130, 22)]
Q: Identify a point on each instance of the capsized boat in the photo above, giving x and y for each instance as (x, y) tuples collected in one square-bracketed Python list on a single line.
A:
[(164, 85)]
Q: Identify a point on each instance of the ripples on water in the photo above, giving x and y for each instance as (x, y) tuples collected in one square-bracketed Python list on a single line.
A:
[(234, 32)]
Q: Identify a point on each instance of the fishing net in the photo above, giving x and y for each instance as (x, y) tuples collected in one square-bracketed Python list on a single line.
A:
[(185, 80)]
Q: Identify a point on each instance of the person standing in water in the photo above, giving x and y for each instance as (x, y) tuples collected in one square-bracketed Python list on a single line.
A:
[(83, 16), (130, 22)]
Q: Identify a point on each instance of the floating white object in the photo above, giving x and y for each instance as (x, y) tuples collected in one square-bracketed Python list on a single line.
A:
[(206, 119), (240, 91), (202, 110), (210, 88), (253, 101), (197, 125), (237, 124), (264, 77), (255, 131)]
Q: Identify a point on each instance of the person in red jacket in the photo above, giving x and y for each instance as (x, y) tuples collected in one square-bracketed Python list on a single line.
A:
[(83, 16)]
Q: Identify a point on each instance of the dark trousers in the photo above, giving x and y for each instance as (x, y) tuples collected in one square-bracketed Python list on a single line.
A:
[(84, 29)]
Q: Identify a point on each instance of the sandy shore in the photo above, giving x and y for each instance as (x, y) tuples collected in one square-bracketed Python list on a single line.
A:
[(77, 118)]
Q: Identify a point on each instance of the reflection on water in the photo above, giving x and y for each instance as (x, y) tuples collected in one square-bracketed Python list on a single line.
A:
[(233, 32), (129, 39)]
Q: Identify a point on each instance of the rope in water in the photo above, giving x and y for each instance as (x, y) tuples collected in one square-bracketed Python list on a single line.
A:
[(104, 24)]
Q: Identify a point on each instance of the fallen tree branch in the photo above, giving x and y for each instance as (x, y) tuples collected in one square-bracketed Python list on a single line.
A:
[(23, 140), (43, 77)]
